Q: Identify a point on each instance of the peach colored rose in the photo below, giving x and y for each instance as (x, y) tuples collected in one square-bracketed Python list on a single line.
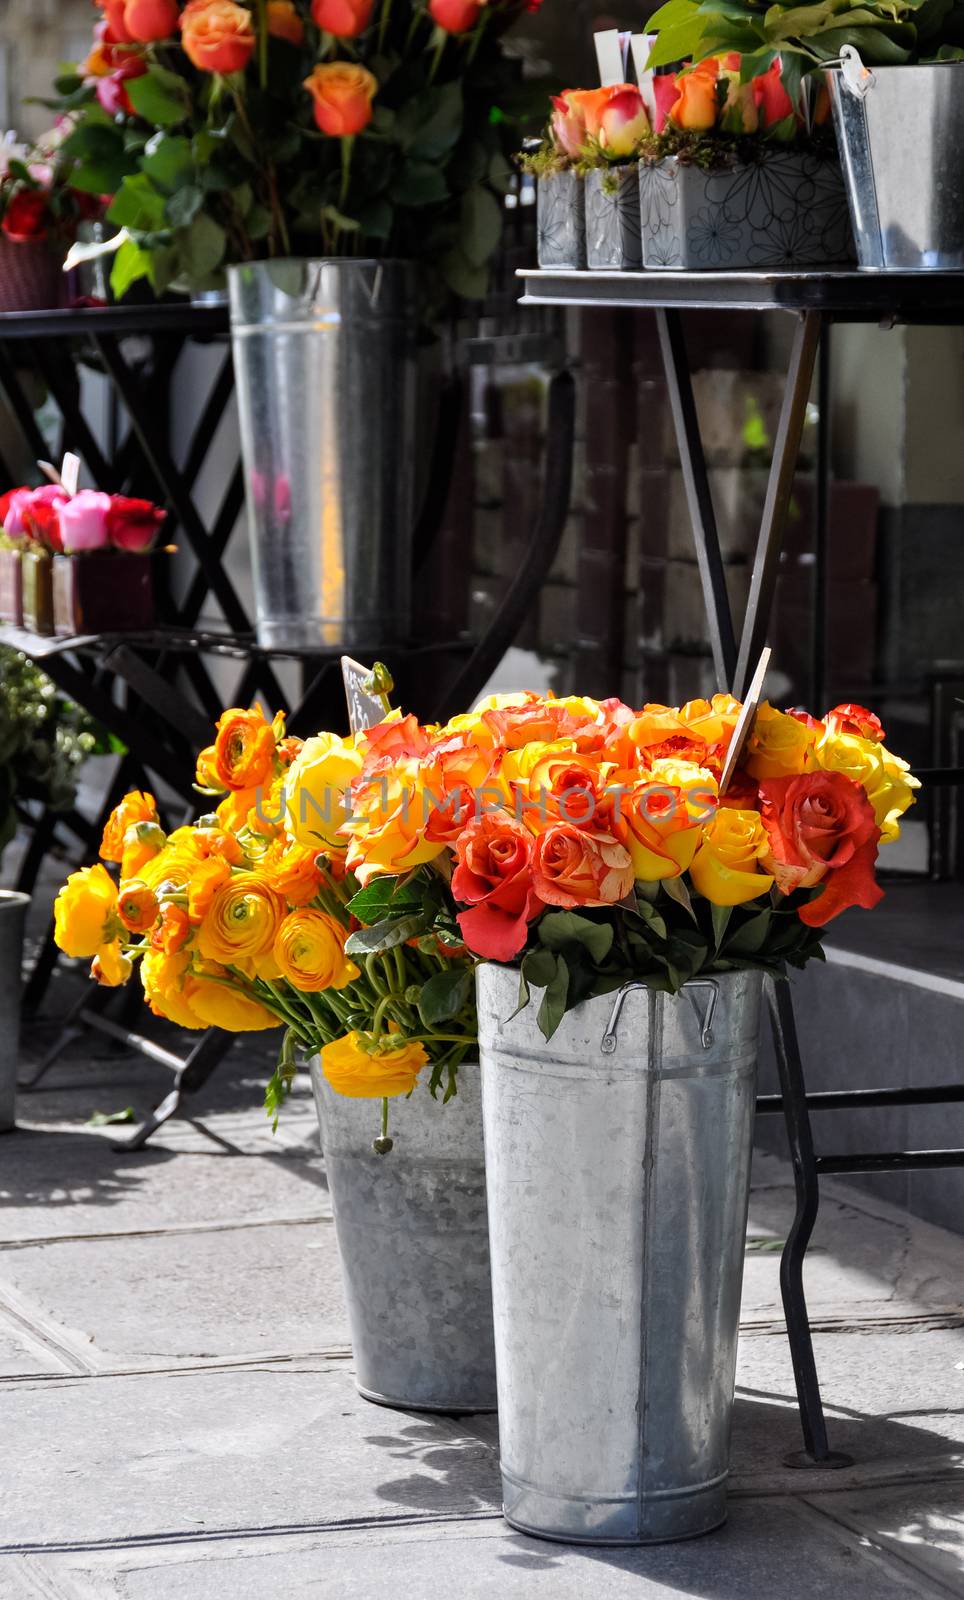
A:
[(571, 868), (342, 95)]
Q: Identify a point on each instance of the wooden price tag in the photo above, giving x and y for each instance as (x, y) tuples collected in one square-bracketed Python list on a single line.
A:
[(365, 710), (744, 727)]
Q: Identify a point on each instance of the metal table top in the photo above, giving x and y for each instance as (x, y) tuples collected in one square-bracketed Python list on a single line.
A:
[(843, 293), (74, 321)]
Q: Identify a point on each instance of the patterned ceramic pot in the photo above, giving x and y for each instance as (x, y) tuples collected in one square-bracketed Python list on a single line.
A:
[(561, 221), (612, 220), (789, 209)]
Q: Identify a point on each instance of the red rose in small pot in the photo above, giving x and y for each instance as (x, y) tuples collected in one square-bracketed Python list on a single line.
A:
[(822, 829), (25, 218), (493, 877), (133, 524)]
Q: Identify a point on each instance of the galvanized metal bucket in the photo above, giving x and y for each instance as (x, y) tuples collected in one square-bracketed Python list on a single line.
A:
[(13, 917), (901, 142), (325, 367), (617, 1165), (414, 1246)]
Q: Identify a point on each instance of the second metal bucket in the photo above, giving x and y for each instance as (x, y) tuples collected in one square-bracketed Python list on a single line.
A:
[(617, 1166)]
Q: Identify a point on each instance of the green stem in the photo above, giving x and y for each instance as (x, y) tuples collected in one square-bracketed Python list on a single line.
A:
[(347, 146), (380, 1011), (261, 16), (379, 987), (385, 1119), (400, 973), (440, 44), (383, 22)]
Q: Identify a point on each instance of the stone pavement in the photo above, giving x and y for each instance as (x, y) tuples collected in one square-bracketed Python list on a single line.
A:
[(180, 1422)]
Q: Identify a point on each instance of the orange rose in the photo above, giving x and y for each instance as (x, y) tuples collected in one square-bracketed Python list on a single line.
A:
[(135, 807), (697, 105), (661, 820), (342, 95), (284, 22), (493, 878), (572, 868), (821, 826), (147, 20), (217, 35), (345, 19), (244, 749)]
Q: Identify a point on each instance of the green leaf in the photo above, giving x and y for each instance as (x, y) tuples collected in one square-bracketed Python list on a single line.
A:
[(471, 282), (381, 895), (431, 122), (554, 1001), (106, 1119), (184, 206), (138, 205), (167, 159), (201, 247), (720, 918), (420, 183), (560, 928), (282, 1079), (257, 223), (130, 264), (376, 219), (160, 97), (749, 939), (480, 225), (678, 43), (677, 890), (445, 995), (386, 935)]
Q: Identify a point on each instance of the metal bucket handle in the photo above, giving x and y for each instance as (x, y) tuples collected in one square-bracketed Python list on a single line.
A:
[(608, 1043)]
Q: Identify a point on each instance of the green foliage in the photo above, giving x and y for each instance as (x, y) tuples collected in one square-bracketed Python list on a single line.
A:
[(43, 740), (884, 32)]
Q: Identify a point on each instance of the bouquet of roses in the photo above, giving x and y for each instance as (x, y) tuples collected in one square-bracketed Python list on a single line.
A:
[(38, 198), (51, 518), (345, 888)]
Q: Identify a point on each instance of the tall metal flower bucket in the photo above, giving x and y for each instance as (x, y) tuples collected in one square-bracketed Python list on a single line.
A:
[(325, 367), (414, 1246), (13, 916), (900, 144), (617, 1165)]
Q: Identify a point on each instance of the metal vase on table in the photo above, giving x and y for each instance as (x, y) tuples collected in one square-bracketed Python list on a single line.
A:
[(13, 917), (617, 1166), (325, 367), (900, 132), (414, 1247)]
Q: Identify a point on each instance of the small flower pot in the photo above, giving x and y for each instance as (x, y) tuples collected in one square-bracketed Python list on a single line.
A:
[(102, 591), (612, 220), (561, 221), (11, 588), (31, 275), (788, 209), (38, 599)]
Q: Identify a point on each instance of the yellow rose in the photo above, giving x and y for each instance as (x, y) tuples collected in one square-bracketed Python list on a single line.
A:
[(316, 786), (355, 1067), (241, 922), (219, 1003), (661, 819), (85, 912), (726, 867), (310, 952), (886, 780), (390, 817), (779, 746)]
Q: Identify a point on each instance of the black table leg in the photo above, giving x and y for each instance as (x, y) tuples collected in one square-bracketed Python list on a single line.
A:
[(203, 1060)]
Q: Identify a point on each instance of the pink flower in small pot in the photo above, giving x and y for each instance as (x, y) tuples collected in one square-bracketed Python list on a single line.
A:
[(665, 94), (83, 521), (41, 515), (12, 506), (133, 524)]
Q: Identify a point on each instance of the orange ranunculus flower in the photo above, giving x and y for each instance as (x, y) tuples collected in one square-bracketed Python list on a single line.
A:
[(85, 912), (142, 842), (149, 20), (137, 906), (661, 819), (162, 976), (355, 1066), (697, 104), (346, 19), (571, 868), (284, 22), (219, 1002), (244, 748), (206, 771), (173, 930), (206, 879), (135, 807), (217, 35), (726, 868), (342, 94), (779, 746), (317, 790), (290, 870), (213, 842), (310, 952), (387, 830), (242, 921)]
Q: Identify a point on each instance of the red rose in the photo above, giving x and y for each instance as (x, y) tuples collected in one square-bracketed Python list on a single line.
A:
[(665, 94), (856, 720), (493, 877), (770, 97), (455, 16), (41, 515), (345, 19), (26, 216), (148, 20), (822, 829), (133, 524)]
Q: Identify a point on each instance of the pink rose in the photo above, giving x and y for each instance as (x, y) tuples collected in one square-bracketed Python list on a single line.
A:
[(83, 521), (12, 514)]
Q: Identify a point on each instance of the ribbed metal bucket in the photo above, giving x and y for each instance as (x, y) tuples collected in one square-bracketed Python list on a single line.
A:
[(13, 917), (617, 1165), (325, 367), (414, 1245), (901, 146)]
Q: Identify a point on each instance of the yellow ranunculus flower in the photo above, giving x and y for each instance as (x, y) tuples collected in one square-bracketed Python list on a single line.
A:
[(163, 976), (310, 952), (779, 746), (316, 786), (885, 778), (110, 967), (219, 1004), (241, 922), (356, 1068), (142, 842), (137, 806), (726, 867), (85, 912)]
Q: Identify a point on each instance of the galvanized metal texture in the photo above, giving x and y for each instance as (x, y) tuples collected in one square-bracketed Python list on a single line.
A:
[(325, 362), (902, 149), (618, 1182), (414, 1247)]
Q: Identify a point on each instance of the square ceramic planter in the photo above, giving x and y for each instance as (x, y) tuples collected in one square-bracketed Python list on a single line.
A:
[(561, 221), (102, 591), (38, 602), (612, 219), (789, 209), (11, 588)]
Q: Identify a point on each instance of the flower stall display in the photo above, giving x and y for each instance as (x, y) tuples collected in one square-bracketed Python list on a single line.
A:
[(231, 132), (887, 66), (74, 561), (40, 210)]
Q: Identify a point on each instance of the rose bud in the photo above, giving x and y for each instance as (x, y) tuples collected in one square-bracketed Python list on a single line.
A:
[(346, 19), (26, 216), (217, 35), (456, 16), (623, 123), (697, 105), (114, 17), (342, 95), (568, 127), (147, 20), (110, 91), (133, 524), (665, 94), (772, 101), (83, 521), (284, 22)]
